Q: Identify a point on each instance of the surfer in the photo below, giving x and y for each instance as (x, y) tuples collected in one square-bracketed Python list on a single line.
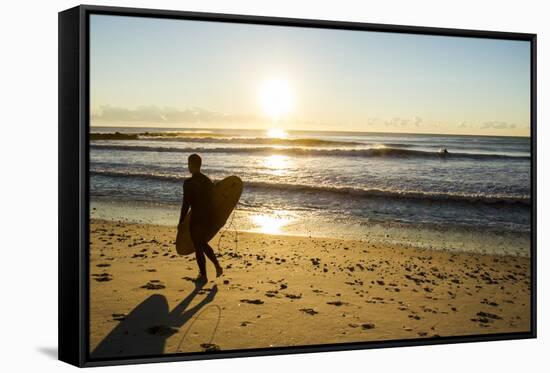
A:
[(197, 195)]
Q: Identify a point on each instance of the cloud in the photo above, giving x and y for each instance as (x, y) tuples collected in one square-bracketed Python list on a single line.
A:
[(498, 125), (155, 114), (404, 122), (372, 121)]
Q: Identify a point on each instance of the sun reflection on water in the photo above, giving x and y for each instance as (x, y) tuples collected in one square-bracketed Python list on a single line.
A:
[(270, 224), (277, 162), (277, 133)]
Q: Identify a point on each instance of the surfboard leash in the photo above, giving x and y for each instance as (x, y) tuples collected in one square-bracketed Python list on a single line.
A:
[(227, 228), (196, 318)]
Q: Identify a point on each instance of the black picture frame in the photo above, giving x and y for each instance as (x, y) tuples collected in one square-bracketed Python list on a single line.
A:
[(74, 114)]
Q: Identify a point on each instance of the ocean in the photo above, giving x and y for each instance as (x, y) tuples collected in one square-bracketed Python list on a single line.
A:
[(454, 192)]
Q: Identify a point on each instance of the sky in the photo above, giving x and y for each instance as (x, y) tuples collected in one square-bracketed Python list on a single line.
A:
[(196, 74)]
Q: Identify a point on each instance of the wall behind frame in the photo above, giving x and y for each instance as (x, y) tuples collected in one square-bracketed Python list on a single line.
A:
[(29, 191)]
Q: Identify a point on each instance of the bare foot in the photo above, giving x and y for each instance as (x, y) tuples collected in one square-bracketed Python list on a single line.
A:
[(219, 271), (201, 279)]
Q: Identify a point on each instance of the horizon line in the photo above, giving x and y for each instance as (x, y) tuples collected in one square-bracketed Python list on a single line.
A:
[(322, 130)]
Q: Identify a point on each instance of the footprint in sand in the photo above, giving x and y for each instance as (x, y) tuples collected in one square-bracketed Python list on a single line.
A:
[(293, 296), (485, 317), (309, 311), (489, 303), (103, 277), (118, 316), (337, 303), (208, 347), (161, 330), (139, 256), (252, 301), (153, 285)]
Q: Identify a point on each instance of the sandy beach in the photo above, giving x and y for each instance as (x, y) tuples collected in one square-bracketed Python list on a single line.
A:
[(282, 290)]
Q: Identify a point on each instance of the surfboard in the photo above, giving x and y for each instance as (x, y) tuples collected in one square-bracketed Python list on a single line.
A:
[(225, 197)]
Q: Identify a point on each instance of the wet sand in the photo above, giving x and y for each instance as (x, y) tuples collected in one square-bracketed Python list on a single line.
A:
[(290, 291)]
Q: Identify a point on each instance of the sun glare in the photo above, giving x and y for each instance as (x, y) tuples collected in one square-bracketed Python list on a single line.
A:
[(276, 98)]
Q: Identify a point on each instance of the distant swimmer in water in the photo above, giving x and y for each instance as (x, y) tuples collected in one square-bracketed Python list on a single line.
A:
[(443, 151)]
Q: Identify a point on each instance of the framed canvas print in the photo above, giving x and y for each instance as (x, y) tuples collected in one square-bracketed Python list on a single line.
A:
[(238, 186)]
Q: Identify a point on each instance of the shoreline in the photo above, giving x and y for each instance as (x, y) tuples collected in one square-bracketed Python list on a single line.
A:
[(291, 291), (421, 236)]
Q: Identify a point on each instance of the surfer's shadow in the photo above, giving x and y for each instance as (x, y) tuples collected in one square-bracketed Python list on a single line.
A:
[(145, 330)]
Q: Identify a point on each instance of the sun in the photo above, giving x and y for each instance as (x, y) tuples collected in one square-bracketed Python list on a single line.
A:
[(276, 98)]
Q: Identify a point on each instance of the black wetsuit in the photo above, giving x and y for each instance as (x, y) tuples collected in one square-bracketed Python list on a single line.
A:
[(197, 194)]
